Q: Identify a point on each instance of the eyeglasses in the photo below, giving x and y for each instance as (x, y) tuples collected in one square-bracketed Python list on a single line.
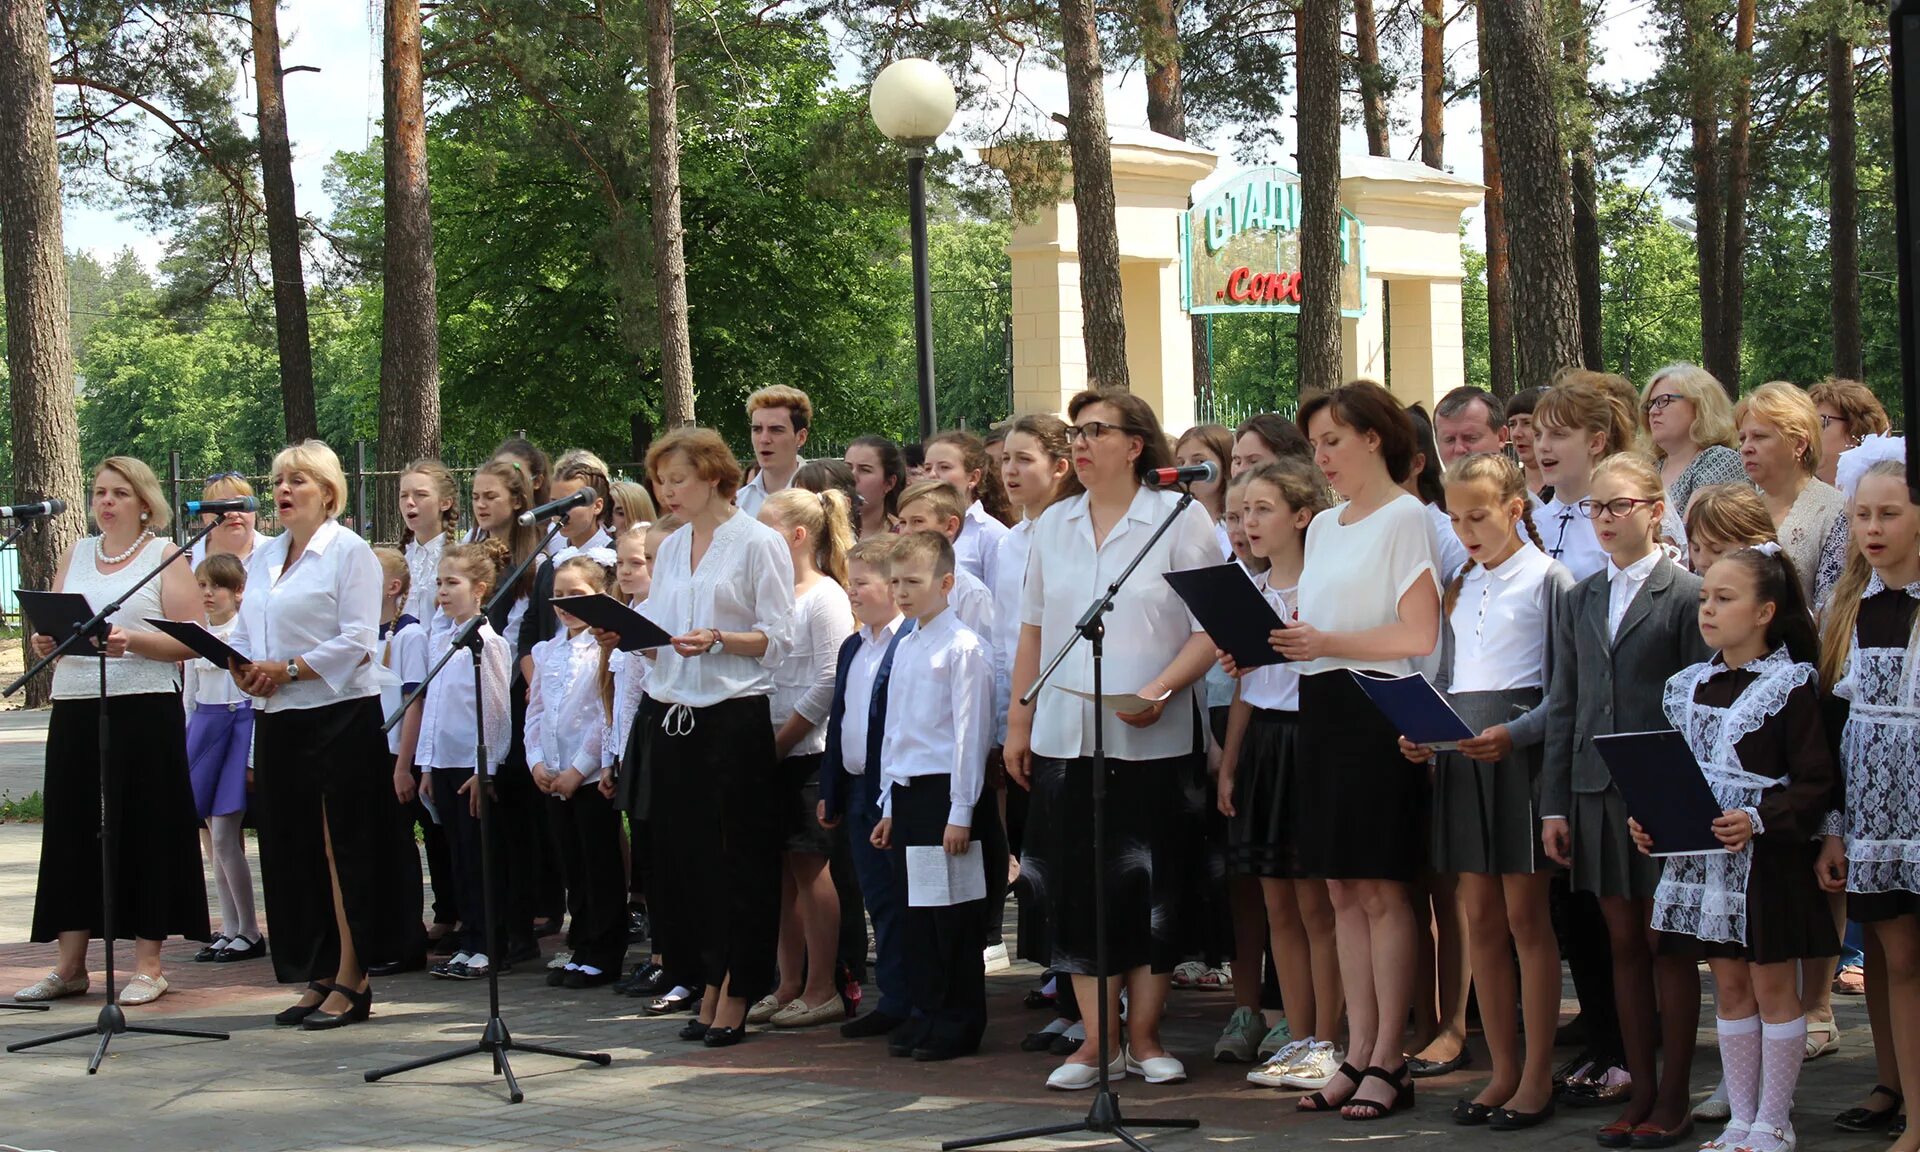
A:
[(1659, 403), (1828, 421), (1619, 509), (1095, 430), (219, 476)]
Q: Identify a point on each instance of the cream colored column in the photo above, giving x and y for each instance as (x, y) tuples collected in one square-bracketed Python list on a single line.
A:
[(1429, 348), (1049, 363), (1363, 342)]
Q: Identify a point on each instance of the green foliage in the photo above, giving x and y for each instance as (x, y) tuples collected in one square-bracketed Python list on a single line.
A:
[(28, 809), (1650, 284)]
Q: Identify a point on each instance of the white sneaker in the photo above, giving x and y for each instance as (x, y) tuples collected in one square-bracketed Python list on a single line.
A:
[(1715, 1107), (1072, 1077), (996, 958), (1315, 1069), (1273, 1074)]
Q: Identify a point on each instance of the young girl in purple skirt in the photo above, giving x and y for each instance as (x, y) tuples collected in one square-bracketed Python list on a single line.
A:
[(219, 754)]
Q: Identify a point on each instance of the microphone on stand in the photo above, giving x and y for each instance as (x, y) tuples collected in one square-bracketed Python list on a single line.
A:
[(559, 507), (1205, 472), (221, 507), (44, 508)]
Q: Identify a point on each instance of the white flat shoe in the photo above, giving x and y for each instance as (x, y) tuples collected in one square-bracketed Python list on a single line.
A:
[(52, 986), (763, 1010), (143, 989), (1715, 1108), (1158, 1069), (1074, 1077)]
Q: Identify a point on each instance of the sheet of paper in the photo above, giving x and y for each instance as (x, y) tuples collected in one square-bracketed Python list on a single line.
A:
[(1124, 702), (937, 880)]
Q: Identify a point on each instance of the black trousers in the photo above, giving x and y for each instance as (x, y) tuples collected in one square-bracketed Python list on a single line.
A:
[(586, 832), (521, 826), (433, 837), (946, 975), (463, 846)]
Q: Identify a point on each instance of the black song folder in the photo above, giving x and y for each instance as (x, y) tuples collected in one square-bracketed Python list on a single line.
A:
[(1415, 708), (59, 615), (1232, 611), (204, 643), (601, 611), (1664, 789)]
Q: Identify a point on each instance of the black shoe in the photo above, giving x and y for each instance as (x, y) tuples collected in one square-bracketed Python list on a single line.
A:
[(1422, 1069), (241, 948), (212, 950), (1898, 1128), (288, 1017), (581, 978), (909, 1035), (693, 1030), (556, 977), (930, 1053), (361, 1007), (521, 952), (1065, 1045), (724, 1037), (395, 967), (1507, 1120), (1868, 1119), (639, 927), (872, 1024), (551, 926), (646, 979), (1468, 1114)]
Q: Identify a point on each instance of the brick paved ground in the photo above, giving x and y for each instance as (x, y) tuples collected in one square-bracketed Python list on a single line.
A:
[(272, 1088)]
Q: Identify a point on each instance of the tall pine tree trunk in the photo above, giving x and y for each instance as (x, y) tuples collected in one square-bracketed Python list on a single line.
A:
[(1318, 50), (409, 320), (283, 229), (1703, 110), (1167, 115), (1103, 319), (1373, 79), (1733, 250), (1433, 73), (1586, 190), (1843, 212), (46, 432), (1546, 311), (1499, 267), (669, 253)]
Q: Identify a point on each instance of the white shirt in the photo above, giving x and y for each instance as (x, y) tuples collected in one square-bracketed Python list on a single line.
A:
[(1275, 686), (403, 653), (1500, 624), (423, 575), (861, 674), (1623, 584), (566, 715), (599, 539), (630, 671), (754, 492), (1569, 538), (971, 601), (803, 683), (1355, 574), (744, 584), (447, 736), (204, 682), (977, 547), (1009, 579), (1449, 554), (76, 676), (325, 610), (939, 714), (1147, 628)]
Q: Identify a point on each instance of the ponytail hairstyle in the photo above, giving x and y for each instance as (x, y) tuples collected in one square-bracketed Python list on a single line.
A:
[(539, 470), (1776, 583), (582, 466), (1583, 402), (1843, 608), (1216, 440), (828, 519), (601, 577), (893, 465), (1509, 481), (445, 490), (827, 472), (1730, 514), (991, 493), (1051, 433), (522, 540), (481, 562)]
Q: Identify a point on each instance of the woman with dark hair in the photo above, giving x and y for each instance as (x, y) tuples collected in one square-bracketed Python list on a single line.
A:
[(880, 475), (1424, 482), (1264, 438), (1079, 546)]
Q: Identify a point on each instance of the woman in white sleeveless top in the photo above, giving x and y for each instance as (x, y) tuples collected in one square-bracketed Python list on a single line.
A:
[(158, 887)]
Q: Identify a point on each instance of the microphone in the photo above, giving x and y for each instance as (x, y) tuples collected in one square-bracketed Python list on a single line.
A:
[(1203, 473), (221, 507), (559, 507), (32, 511)]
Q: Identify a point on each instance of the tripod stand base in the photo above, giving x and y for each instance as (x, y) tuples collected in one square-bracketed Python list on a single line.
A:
[(496, 1042), (111, 1022), (1103, 1118)]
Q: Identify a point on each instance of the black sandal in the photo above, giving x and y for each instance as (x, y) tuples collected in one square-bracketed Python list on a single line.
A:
[(1402, 1084), (359, 1007), (1318, 1102), (288, 1017), (1867, 1119)]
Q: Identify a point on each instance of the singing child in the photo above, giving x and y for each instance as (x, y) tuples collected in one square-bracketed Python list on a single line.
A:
[(933, 763), (430, 508), (1751, 717), (401, 653), (934, 506), (585, 528), (960, 460), (219, 760), (1575, 426)]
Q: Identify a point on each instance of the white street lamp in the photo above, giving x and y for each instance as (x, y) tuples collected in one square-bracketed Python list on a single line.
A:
[(912, 102)]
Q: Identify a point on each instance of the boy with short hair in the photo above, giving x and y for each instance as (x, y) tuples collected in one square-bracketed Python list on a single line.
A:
[(936, 506), (778, 418), (933, 762)]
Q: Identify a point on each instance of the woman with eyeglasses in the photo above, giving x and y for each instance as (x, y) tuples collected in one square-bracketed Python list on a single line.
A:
[(1780, 450), (1153, 649), (1687, 422), (238, 534)]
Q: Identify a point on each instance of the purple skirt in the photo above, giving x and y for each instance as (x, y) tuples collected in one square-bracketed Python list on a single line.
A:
[(219, 742)]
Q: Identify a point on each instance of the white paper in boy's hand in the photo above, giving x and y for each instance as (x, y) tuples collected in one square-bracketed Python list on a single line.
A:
[(1125, 703), (937, 880)]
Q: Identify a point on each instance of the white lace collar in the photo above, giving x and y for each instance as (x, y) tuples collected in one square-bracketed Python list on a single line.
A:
[(1776, 659), (1875, 586)]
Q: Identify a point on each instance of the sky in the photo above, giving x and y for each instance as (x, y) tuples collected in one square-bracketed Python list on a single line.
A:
[(338, 108)]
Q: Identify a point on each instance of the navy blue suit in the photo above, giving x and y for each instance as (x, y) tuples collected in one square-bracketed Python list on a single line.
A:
[(857, 798)]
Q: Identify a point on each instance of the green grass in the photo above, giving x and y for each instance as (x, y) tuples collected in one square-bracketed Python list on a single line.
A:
[(29, 809)]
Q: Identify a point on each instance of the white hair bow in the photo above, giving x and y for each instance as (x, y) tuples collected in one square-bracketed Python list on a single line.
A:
[(602, 556), (1854, 462)]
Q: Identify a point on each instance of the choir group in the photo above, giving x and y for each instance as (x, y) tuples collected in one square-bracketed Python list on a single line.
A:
[(835, 738)]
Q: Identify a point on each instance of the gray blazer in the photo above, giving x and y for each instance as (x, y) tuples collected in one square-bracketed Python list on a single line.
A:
[(1622, 692)]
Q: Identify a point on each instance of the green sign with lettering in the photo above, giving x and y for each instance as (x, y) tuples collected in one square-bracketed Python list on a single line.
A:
[(1240, 249)]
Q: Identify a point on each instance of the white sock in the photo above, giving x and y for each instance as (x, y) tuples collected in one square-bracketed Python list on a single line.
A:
[(1740, 1072), (232, 878), (587, 968), (1783, 1051)]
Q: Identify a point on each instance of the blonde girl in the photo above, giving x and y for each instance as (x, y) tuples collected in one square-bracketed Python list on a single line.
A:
[(430, 508), (1575, 426)]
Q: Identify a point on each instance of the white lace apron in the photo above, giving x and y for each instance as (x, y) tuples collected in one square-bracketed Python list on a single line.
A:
[(1880, 749), (1706, 896)]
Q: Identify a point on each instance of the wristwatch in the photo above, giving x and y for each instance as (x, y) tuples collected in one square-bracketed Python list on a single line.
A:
[(293, 671), (719, 641)]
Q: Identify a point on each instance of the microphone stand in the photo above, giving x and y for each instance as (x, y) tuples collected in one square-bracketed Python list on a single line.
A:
[(495, 1040), (24, 527), (112, 1020), (1103, 1117)]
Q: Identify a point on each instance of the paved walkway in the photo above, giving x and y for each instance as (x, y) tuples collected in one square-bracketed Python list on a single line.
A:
[(272, 1088)]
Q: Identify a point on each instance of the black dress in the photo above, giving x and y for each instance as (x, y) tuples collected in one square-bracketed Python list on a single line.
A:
[(1879, 737)]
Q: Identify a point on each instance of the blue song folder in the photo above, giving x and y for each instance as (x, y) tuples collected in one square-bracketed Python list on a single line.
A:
[(1231, 610), (1664, 790), (1415, 708)]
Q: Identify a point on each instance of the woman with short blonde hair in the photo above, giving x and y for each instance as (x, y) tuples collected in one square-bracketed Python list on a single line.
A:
[(1780, 450), (1686, 423)]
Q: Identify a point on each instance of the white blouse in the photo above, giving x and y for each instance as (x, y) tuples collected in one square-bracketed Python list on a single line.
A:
[(325, 609), (1275, 686), (1355, 574), (447, 735), (76, 676), (803, 683), (403, 653), (599, 539), (1499, 624), (977, 547), (423, 574), (972, 602), (566, 714), (939, 714), (204, 682), (1569, 538), (1010, 577), (744, 584), (1147, 628), (630, 671)]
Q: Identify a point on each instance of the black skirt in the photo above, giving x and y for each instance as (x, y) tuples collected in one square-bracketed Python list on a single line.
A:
[(1359, 811), (1787, 915), (1873, 907), (799, 802), (1035, 922), (1263, 782), (159, 889), (325, 773), (1148, 851)]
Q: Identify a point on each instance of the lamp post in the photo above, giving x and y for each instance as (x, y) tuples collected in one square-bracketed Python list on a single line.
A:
[(912, 103)]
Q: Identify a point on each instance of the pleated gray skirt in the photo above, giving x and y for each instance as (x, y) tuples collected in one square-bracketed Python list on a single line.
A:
[(1486, 817)]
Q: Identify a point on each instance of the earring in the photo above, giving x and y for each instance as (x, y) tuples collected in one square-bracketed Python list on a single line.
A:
[(143, 517)]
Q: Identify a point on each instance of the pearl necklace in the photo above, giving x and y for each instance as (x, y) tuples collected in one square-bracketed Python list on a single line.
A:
[(139, 540)]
